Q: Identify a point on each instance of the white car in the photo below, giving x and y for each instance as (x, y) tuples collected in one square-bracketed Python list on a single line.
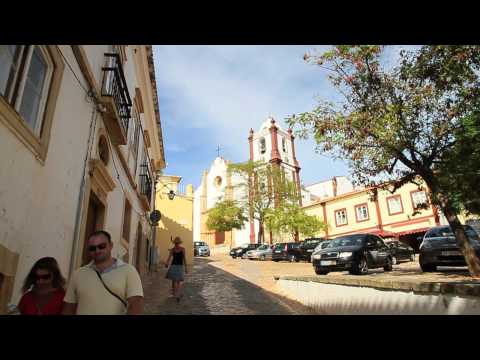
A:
[(263, 252)]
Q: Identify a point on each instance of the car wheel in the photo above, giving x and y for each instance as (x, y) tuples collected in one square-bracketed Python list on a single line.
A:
[(428, 267), (388, 266), (292, 258), (262, 258), (320, 271), (360, 267), (276, 260), (394, 260)]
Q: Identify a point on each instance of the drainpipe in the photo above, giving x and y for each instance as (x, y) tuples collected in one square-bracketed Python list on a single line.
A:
[(81, 196)]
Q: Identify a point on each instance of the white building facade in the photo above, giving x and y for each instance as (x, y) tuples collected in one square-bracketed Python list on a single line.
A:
[(81, 141)]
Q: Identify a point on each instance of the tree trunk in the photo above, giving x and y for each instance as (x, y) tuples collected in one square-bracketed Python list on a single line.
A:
[(467, 250), (260, 232)]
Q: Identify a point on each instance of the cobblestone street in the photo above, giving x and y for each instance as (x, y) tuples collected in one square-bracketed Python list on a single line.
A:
[(209, 290), (221, 285)]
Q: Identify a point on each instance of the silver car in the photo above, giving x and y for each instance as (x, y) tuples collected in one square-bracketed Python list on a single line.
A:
[(263, 252)]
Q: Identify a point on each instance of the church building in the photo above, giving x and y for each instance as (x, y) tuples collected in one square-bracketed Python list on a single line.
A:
[(271, 145)]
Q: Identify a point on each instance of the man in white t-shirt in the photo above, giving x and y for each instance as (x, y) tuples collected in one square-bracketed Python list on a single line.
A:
[(106, 286)]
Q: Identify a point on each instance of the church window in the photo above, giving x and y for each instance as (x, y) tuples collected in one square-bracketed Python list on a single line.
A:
[(263, 146), (218, 181)]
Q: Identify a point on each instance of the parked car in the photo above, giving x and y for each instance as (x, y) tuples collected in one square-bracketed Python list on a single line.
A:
[(356, 253), (287, 251), (400, 252), (439, 248), (241, 250), (263, 252), (308, 247), (200, 248)]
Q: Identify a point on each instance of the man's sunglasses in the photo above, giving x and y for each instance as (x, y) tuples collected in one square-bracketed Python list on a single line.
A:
[(92, 248), (43, 277)]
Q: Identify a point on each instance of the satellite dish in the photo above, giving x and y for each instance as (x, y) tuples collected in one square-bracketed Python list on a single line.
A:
[(155, 216)]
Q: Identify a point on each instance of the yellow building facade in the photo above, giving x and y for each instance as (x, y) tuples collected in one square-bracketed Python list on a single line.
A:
[(391, 215), (177, 217)]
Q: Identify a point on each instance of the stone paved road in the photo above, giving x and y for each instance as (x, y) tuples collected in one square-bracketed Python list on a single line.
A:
[(222, 285), (210, 290)]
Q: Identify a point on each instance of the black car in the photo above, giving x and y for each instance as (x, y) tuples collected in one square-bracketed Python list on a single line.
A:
[(308, 247), (439, 248), (200, 248), (241, 250), (400, 252), (287, 251), (356, 253)]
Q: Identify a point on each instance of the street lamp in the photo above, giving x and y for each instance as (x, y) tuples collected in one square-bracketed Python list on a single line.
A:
[(155, 217)]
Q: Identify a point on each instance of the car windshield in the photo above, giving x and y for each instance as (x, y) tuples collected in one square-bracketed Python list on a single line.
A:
[(445, 231), (263, 247), (325, 244), (279, 246), (350, 240), (311, 241), (199, 243)]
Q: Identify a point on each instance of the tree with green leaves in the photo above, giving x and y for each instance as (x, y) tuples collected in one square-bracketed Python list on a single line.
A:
[(226, 216), (404, 124), (291, 219), (262, 187)]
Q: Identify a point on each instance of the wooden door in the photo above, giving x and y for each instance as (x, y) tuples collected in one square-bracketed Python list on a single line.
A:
[(219, 237), (95, 219)]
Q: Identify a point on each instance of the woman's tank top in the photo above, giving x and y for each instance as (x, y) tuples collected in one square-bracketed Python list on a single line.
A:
[(177, 258)]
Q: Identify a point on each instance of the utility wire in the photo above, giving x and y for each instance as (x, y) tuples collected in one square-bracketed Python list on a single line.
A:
[(91, 96)]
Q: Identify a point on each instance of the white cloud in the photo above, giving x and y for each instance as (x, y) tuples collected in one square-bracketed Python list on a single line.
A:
[(217, 93)]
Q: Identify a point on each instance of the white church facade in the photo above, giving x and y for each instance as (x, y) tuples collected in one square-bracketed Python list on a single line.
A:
[(271, 145)]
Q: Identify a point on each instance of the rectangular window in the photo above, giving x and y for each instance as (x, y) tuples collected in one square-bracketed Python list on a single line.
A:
[(25, 76), (361, 212), (395, 205), (341, 217), (126, 221), (418, 198)]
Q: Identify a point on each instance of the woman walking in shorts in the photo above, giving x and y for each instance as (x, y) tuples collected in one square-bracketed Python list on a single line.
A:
[(176, 264)]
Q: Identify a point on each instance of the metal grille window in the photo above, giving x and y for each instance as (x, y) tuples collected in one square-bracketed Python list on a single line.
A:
[(25, 77), (115, 85), (145, 179)]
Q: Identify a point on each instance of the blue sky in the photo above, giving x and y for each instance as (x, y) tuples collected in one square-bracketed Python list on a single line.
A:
[(213, 95)]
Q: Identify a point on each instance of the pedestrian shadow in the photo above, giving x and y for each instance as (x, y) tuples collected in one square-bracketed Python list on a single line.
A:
[(209, 290)]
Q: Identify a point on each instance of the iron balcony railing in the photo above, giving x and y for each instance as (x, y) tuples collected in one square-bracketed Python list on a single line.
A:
[(146, 182), (114, 85)]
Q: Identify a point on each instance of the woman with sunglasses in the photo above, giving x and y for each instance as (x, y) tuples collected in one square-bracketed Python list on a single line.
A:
[(43, 289)]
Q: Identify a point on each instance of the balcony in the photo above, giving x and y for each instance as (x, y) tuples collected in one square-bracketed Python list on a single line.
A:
[(145, 186), (116, 99)]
